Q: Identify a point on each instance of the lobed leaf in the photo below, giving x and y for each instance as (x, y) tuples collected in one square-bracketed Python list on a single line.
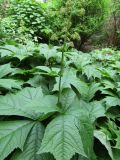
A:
[(13, 135), (30, 102), (32, 144)]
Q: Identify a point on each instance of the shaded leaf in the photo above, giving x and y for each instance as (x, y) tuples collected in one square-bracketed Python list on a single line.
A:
[(13, 135), (32, 145), (5, 70), (103, 139)]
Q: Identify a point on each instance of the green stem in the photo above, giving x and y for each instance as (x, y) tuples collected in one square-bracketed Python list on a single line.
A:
[(60, 78)]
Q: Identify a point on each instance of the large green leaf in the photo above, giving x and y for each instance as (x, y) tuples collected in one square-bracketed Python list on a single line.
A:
[(13, 135), (20, 52), (80, 60), (91, 71), (92, 110), (32, 145), (64, 140), (30, 102), (86, 129), (87, 91), (49, 52), (70, 130)]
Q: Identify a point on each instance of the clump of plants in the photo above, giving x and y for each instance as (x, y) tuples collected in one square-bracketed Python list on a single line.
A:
[(59, 104), (75, 21), (68, 21), (26, 20)]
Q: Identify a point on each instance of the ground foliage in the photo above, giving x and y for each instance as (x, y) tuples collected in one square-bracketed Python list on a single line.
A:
[(78, 119), (25, 20), (72, 21), (76, 20)]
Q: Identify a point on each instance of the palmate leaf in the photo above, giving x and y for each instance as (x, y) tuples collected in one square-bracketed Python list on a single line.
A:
[(106, 92), (32, 145), (118, 87), (80, 60), (86, 90), (91, 71), (13, 135), (93, 110), (30, 102), (49, 52), (116, 65), (20, 52), (64, 140), (69, 131), (69, 78)]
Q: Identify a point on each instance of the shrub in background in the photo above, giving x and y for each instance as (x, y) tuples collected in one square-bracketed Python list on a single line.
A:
[(76, 20), (112, 25), (27, 20), (71, 21)]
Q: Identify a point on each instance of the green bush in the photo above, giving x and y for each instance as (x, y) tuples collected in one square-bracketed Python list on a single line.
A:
[(27, 19), (112, 28), (76, 20)]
